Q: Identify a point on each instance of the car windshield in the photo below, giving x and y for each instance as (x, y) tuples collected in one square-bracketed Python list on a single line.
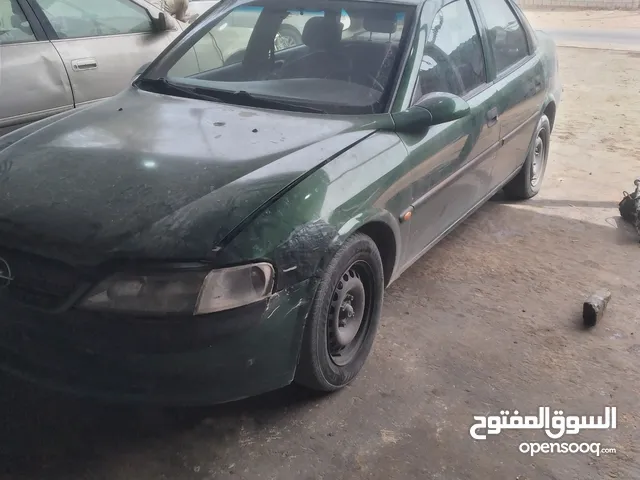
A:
[(339, 57)]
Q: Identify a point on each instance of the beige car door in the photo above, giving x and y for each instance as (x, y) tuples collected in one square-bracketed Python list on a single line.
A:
[(33, 80), (103, 42)]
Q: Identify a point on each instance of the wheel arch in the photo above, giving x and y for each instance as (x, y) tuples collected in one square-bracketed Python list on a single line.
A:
[(382, 228), (385, 239), (550, 111)]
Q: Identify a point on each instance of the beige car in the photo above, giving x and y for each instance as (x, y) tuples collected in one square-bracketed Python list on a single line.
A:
[(60, 54), (56, 55)]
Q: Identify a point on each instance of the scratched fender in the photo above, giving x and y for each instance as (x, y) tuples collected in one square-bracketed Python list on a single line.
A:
[(302, 230)]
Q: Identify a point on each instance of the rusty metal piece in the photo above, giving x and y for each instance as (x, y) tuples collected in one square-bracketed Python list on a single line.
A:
[(629, 206), (594, 307)]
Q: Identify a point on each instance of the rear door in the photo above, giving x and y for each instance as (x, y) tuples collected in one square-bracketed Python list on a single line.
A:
[(33, 80), (451, 164), (102, 42), (519, 78)]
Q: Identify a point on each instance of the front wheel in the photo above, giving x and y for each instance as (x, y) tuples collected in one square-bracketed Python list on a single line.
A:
[(344, 317), (528, 182)]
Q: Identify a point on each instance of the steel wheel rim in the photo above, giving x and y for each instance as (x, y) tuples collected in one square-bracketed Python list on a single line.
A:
[(539, 160), (349, 317)]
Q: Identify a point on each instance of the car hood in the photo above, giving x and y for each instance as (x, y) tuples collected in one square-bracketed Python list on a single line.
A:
[(153, 176)]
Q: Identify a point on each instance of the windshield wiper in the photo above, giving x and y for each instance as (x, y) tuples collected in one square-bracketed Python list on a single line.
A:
[(239, 97), (162, 85), (242, 97)]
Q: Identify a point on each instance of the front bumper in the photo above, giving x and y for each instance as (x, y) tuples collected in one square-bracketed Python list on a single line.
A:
[(179, 361)]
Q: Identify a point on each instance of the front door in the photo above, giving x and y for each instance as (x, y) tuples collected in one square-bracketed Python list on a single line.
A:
[(33, 80), (451, 164), (102, 42), (520, 83)]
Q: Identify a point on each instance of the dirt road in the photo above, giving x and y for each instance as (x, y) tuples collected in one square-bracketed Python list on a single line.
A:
[(488, 320)]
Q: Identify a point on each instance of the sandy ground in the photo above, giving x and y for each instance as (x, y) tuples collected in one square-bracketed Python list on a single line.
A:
[(488, 320)]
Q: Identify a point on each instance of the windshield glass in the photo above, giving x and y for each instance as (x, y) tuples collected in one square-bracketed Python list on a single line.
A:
[(333, 56)]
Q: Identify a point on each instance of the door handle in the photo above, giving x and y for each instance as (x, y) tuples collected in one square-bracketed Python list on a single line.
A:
[(492, 117), (537, 86), (84, 64)]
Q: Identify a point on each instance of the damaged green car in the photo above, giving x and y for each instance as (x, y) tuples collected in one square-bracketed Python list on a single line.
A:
[(227, 226)]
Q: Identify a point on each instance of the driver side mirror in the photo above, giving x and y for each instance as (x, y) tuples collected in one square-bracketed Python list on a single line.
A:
[(432, 109), (159, 24)]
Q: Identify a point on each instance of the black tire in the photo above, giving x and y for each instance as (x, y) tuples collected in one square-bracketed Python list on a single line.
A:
[(322, 365), (527, 183), (292, 34)]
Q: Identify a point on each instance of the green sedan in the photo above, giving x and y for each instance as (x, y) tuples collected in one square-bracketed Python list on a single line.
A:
[(222, 229)]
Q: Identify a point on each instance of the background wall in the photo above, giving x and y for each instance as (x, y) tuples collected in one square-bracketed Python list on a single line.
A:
[(599, 4)]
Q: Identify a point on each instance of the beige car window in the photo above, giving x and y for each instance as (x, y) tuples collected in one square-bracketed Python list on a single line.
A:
[(95, 18), (14, 27)]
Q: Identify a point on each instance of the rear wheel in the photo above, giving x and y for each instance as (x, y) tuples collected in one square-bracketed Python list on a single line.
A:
[(528, 182), (344, 318)]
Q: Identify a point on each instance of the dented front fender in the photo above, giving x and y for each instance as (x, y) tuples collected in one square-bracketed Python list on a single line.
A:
[(302, 230)]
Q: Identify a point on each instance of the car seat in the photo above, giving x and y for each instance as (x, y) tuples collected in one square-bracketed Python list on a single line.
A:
[(322, 36)]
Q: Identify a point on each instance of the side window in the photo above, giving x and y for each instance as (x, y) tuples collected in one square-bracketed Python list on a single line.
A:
[(14, 27), (453, 60), (506, 36), (95, 18)]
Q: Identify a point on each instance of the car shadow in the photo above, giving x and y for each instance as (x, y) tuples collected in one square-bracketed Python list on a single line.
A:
[(544, 202), (46, 434)]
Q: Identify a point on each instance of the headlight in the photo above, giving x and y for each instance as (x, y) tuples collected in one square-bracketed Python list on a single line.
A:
[(193, 293)]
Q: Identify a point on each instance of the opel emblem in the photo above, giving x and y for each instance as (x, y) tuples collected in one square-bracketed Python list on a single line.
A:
[(5, 274)]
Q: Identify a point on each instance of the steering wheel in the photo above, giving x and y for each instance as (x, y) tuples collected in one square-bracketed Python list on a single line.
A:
[(441, 57)]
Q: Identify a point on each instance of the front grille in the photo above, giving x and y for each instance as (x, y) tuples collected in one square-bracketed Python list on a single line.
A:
[(39, 281)]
